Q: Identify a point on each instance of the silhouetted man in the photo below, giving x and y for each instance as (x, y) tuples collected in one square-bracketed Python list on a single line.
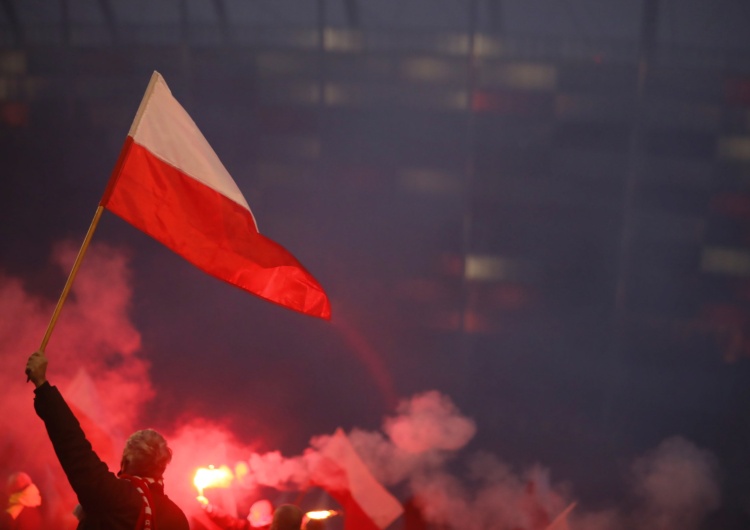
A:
[(132, 499)]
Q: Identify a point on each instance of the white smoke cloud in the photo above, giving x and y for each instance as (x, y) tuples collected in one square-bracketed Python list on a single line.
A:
[(429, 422), (674, 487), (427, 431), (491, 496), (273, 469), (677, 485)]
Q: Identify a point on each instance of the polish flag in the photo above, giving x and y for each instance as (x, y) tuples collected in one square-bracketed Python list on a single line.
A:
[(367, 504), (169, 183)]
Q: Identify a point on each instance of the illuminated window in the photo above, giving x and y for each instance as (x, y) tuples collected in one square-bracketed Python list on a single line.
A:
[(486, 46), (524, 76), (343, 95), (343, 40), (430, 181), (433, 69), (12, 62), (730, 261), (489, 268), (734, 147)]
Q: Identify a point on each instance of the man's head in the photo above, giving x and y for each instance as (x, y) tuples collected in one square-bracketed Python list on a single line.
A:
[(146, 454), (287, 517)]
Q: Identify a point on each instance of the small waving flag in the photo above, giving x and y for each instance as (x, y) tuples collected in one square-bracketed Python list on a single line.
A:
[(169, 183), (342, 473)]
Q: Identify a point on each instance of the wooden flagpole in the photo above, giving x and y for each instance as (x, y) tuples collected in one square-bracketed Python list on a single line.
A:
[(95, 221), (71, 276)]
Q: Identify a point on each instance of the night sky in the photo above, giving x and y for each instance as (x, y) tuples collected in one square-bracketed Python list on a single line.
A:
[(635, 407)]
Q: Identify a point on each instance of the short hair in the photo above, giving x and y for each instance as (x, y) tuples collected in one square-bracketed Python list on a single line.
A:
[(146, 454), (287, 517)]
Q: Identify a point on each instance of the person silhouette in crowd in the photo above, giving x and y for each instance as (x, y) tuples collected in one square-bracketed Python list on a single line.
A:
[(131, 499)]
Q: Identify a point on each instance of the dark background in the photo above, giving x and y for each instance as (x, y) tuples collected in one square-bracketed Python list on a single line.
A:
[(539, 209)]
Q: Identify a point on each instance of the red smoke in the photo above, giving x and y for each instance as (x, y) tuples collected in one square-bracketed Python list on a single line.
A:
[(93, 334), (96, 361)]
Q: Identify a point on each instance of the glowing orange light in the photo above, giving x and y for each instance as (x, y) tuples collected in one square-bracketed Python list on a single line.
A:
[(211, 477), (241, 470), (321, 514)]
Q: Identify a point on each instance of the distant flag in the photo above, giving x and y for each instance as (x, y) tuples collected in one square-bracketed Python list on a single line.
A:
[(169, 183), (367, 504)]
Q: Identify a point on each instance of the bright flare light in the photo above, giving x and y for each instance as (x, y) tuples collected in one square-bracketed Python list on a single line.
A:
[(211, 477), (321, 514)]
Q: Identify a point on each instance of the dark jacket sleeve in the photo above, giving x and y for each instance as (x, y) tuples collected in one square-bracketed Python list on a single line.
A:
[(98, 489)]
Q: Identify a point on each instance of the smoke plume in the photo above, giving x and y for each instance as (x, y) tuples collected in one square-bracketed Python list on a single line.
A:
[(420, 448), (677, 486), (93, 336), (420, 451)]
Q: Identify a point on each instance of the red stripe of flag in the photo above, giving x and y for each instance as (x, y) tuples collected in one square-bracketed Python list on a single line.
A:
[(193, 214)]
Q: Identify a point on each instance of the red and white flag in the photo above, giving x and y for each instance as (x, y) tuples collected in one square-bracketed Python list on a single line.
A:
[(367, 504), (169, 183)]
